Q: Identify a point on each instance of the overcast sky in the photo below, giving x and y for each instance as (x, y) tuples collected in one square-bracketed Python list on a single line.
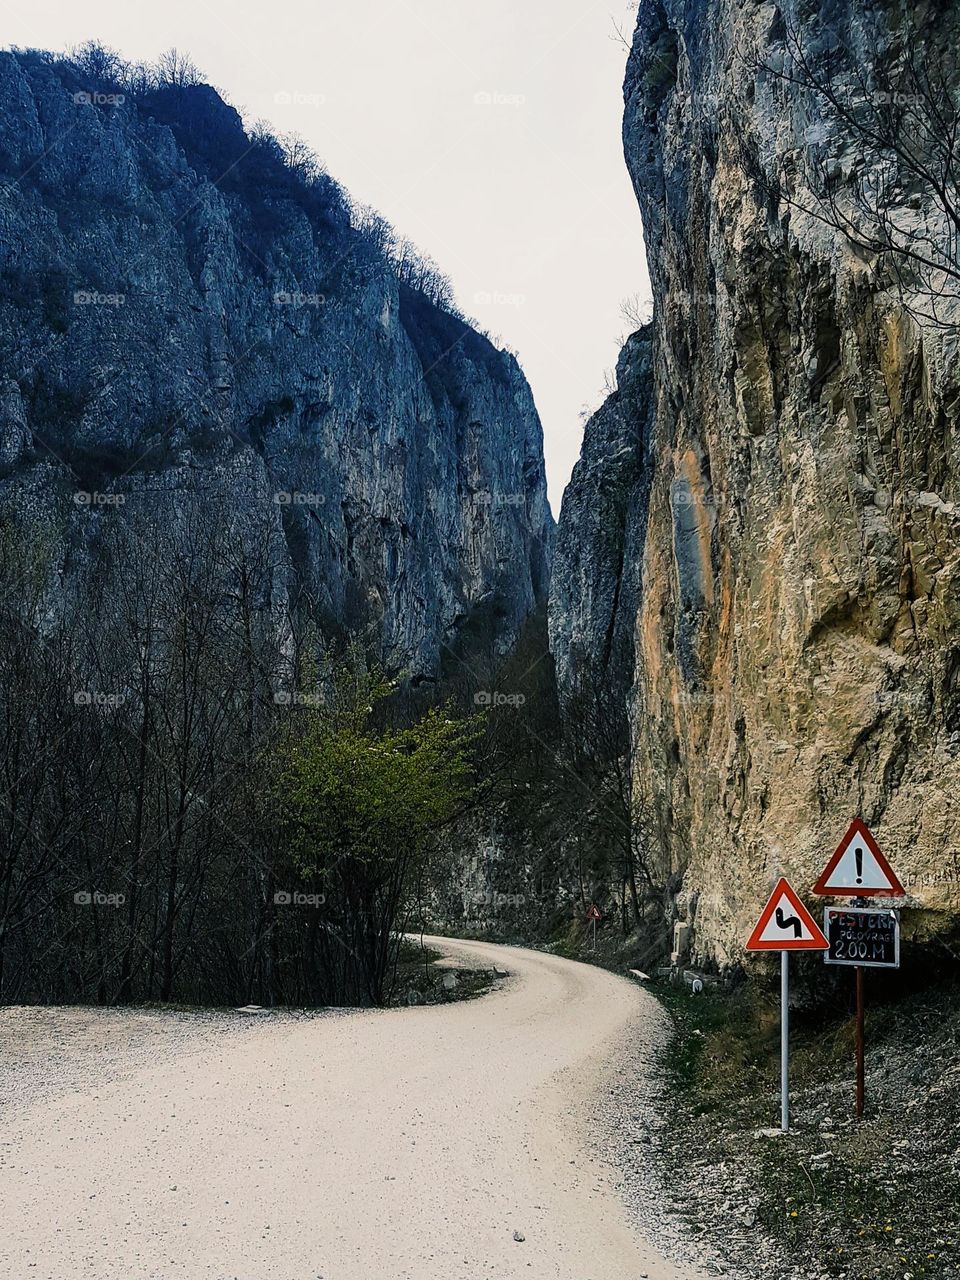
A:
[(488, 133)]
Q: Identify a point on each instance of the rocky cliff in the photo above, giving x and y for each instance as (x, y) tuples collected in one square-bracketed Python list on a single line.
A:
[(180, 298), (594, 600), (792, 535)]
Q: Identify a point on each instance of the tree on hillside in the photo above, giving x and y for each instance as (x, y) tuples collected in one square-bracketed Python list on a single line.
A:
[(175, 70), (300, 158), (375, 229), (99, 64), (420, 272), (362, 807)]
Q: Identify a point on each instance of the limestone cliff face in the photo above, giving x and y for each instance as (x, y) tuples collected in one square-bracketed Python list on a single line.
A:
[(797, 564), (176, 302), (593, 604)]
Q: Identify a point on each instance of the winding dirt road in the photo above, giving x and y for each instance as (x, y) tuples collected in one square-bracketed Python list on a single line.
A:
[(380, 1145)]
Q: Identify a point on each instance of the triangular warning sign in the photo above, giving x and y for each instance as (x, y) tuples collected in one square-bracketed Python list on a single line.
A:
[(785, 924), (858, 869)]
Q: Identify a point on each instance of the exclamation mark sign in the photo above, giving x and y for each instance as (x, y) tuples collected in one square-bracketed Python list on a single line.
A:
[(858, 854)]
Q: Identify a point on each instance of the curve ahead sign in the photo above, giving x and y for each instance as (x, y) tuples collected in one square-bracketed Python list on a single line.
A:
[(785, 924)]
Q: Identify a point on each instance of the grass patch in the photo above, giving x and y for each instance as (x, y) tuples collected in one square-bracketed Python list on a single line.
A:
[(421, 974)]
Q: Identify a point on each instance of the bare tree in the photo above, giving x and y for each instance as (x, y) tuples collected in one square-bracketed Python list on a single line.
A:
[(99, 64), (300, 157), (420, 272), (597, 764), (636, 311), (375, 229), (176, 70), (141, 838)]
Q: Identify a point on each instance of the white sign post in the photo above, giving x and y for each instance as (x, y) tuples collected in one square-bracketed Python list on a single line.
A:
[(785, 1041), (785, 925)]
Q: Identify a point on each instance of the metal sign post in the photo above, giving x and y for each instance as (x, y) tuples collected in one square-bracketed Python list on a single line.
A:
[(862, 936), (861, 1088), (785, 1041), (785, 925)]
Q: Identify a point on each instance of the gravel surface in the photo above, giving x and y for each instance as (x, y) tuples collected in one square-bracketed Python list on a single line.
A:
[(838, 1198), (633, 1124), (456, 1142)]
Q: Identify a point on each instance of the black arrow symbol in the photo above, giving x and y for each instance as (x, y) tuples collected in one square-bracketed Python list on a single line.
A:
[(784, 922)]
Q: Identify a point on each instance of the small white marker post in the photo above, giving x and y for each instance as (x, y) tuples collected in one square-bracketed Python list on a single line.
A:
[(593, 915), (785, 925)]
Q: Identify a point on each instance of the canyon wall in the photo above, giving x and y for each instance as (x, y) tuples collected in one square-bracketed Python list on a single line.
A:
[(183, 304), (791, 533)]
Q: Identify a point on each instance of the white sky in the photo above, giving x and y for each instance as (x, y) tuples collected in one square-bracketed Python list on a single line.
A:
[(489, 133)]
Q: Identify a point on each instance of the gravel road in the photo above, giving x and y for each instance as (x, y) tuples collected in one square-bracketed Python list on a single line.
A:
[(444, 1143)]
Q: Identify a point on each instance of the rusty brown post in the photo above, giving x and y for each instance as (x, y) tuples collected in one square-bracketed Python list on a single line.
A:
[(859, 1041)]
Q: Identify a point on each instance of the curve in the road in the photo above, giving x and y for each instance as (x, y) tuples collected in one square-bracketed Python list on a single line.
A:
[(385, 1145)]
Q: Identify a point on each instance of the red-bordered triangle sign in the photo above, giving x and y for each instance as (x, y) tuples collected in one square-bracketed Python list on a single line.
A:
[(785, 924), (858, 868), (594, 913)]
